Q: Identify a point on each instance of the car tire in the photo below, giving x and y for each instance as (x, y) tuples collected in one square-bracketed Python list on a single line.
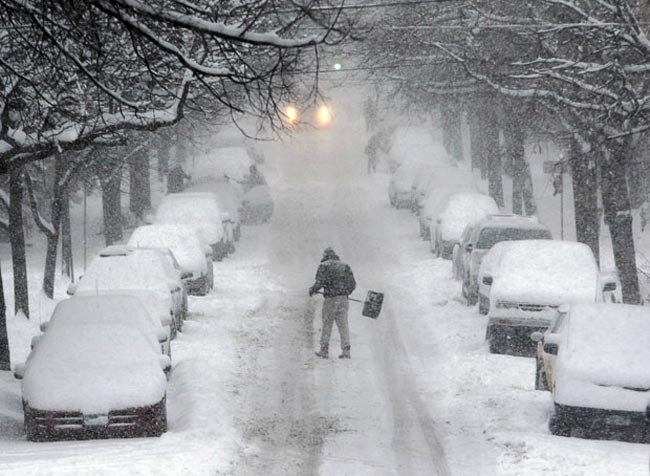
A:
[(559, 426), (540, 376), (471, 297), (483, 305)]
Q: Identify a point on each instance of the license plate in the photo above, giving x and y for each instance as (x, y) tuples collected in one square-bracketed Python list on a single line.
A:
[(96, 420), (618, 420)]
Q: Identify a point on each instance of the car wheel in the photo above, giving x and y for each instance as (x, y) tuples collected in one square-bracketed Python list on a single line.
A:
[(559, 426), (471, 296), (540, 375), (483, 305)]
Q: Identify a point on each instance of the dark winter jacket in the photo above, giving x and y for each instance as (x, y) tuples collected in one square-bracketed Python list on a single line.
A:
[(334, 277), (176, 180)]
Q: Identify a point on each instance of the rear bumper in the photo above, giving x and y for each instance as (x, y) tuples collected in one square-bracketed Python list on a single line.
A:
[(43, 425), (514, 334), (615, 424), (195, 285)]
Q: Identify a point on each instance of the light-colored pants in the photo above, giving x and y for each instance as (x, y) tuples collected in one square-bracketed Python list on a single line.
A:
[(335, 309)]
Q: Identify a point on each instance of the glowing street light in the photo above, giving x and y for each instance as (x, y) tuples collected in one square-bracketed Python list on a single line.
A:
[(324, 115), (292, 114)]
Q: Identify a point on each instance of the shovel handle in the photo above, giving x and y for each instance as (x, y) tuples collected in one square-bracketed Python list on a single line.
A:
[(349, 298)]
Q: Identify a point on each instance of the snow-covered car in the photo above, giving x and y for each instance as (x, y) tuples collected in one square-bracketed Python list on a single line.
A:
[(429, 208), (199, 210), (483, 235), (400, 187), (531, 280), (229, 195), (257, 206), (194, 260), (134, 271), (457, 257), (95, 373), (486, 271), (232, 162), (456, 212), (599, 373), (443, 177)]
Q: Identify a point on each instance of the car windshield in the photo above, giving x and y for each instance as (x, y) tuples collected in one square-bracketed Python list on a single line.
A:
[(491, 236)]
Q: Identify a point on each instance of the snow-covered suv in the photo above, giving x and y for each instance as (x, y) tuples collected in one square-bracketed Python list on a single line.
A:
[(595, 359), (532, 279), (483, 235)]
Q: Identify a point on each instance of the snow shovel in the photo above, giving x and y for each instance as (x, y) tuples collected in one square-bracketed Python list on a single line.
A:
[(372, 304)]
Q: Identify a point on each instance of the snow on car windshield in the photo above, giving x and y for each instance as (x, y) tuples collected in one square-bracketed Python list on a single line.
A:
[(124, 272), (608, 344), (181, 240), (550, 272), (491, 236)]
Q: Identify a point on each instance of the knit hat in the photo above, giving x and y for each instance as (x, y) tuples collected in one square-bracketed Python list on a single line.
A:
[(329, 252)]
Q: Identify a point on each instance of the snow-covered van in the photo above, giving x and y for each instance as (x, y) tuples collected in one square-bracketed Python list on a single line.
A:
[(599, 372), (529, 283)]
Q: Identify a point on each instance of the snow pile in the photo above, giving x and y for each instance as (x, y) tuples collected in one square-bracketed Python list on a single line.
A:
[(181, 240), (197, 210), (608, 344), (461, 209), (546, 272), (230, 162)]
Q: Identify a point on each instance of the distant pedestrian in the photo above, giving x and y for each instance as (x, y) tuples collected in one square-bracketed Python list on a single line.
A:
[(372, 148), (337, 281), (176, 179)]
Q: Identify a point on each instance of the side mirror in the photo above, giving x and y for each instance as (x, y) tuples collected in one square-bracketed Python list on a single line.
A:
[(610, 286), (551, 348), (166, 319), (536, 336), (165, 363), (149, 219), (225, 217), (487, 280), (72, 288), (469, 247), (35, 341), (43, 326), (162, 336), (19, 371)]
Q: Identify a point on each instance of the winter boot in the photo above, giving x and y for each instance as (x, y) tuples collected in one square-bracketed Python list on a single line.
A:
[(323, 354), (345, 354)]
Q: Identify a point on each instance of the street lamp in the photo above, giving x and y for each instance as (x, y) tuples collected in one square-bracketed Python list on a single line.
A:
[(324, 115), (292, 114)]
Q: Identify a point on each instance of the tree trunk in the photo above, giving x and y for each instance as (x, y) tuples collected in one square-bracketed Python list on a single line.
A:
[(450, 115), (55, 221), (523, 201), (475, 145), (618, 216), (112, 207), (5, 359), (67, 265), (585, 197), (491, 143), (17, 238), (139, 189), (162, 151)]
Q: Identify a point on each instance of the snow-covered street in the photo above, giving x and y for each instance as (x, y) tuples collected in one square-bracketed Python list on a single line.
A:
[(420, 396)]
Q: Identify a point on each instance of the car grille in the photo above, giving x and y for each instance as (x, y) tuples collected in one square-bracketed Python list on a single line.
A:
[(75, 420)]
